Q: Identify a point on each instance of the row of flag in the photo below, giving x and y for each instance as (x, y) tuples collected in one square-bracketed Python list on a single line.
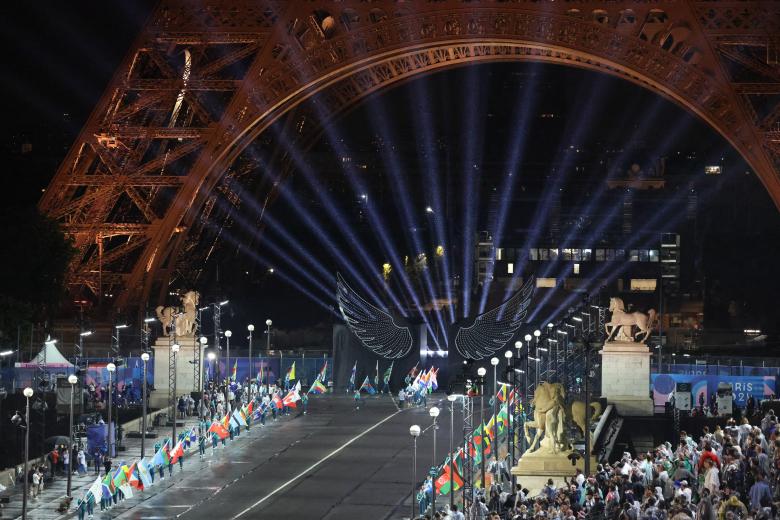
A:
[(289, 375), (484, 441), (425, 380)]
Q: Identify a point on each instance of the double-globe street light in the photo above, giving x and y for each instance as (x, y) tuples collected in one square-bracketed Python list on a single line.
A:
[(414, 431), (72, 379)]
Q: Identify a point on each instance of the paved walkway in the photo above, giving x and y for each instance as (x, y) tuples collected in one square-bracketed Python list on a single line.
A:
[(44, 507)]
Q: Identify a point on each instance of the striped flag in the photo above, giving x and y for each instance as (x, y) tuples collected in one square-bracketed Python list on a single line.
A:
[(323, 372), (317, 388), (367, 387)]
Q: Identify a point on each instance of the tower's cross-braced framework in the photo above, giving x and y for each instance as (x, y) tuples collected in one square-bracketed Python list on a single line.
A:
[(167, 142)]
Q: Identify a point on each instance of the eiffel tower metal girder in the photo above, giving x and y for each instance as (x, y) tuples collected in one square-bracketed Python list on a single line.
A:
[(199, 85)]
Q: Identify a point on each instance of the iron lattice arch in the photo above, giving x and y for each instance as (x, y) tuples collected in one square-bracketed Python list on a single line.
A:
[(209, 100)]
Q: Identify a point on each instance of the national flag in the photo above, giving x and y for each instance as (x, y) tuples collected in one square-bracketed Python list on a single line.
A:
[(218, 429), (290, 373), (277, 402), (476, 445), (95, 490), (290, 399), (297, 387), (142, 468), (433, 383), (240, 419), (388, 373), (193, 435), (127, 491), (502, 419), (490, 428), (260, 374), (367, 387), (376, 376), (120, 476), (234, 371), (501, 395), (323, 372), (250, 407), (133, 479), (177, 452), (162, 457), (352, 376), (445, 481), (226, 421), (107, 486), (317, 388), (413, 371)]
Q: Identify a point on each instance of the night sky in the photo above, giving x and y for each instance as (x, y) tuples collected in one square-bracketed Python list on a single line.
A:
[(59, 57)]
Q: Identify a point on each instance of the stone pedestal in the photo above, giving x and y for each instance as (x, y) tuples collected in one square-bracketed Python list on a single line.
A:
[(185, 370), (534, 469), (625, 377)]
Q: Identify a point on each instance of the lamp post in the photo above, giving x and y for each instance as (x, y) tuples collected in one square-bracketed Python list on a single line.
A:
[(509, 436), (434, 412), (228, 334), (203, 342), (111, 369), (145, 359), (175, 349), (72, 379), (211, 356), (414, 431), (268, 324), (251, 329), (28, 393), (481, 371), (451, 398), (494, 362)]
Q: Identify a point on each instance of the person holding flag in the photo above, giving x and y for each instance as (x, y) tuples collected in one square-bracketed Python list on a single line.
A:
[(351, 386), (386, 378)]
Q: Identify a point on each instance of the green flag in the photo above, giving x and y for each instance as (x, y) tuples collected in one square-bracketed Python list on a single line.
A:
[(388, 373)]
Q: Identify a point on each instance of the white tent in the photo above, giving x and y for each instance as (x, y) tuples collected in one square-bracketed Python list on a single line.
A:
[(49, 356)]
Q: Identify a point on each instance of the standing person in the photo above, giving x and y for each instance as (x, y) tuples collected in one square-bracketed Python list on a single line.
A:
[(36, 482), (107, 464), (82, 462), (181, 462), (66, 460), (401, 398), (357, 399), (305, 402), (202, 445), (96, 458), (214, 439)]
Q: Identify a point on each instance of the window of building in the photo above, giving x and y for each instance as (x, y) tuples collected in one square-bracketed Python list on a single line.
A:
[(500, 253), (653, 253), (545, 282), (643, 255), (544, 254), (620, 254), (610, 254), (510, 268), (634, 255), (534, 254), (567, 254), (576, 268), (600, 255), (554, 254), (643, 284), (586, 254), (576, 255)]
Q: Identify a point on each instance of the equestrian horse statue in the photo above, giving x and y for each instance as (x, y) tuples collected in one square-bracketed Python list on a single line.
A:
[(551, 415), (622, 322), (180, 322)]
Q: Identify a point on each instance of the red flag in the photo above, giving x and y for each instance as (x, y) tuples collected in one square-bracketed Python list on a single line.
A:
[(178, 451), (132, 478), (290, 398), (277, 402), (250, 408), (218, 429)]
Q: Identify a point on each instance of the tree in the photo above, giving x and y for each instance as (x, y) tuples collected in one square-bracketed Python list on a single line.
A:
[(34, 259)]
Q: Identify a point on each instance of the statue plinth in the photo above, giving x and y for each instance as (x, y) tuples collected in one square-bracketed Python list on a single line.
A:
[(535, 468), (625, 377), (185, 370)]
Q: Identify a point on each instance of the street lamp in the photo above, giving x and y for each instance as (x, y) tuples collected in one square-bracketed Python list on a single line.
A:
[(228, 334), (481, 371), (203, 342), (111, 369), (414, 431), (175, 349), (510, 448), (251, 329), (494, 362), (145, 359), (268, 324), (28, 393), (72, 379), (434, 412)]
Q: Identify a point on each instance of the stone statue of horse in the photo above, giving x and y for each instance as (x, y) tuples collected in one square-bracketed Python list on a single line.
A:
[(621, 318), (180, 321)]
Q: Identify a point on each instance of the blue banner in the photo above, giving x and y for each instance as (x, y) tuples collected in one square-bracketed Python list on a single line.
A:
[(743, 387)]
